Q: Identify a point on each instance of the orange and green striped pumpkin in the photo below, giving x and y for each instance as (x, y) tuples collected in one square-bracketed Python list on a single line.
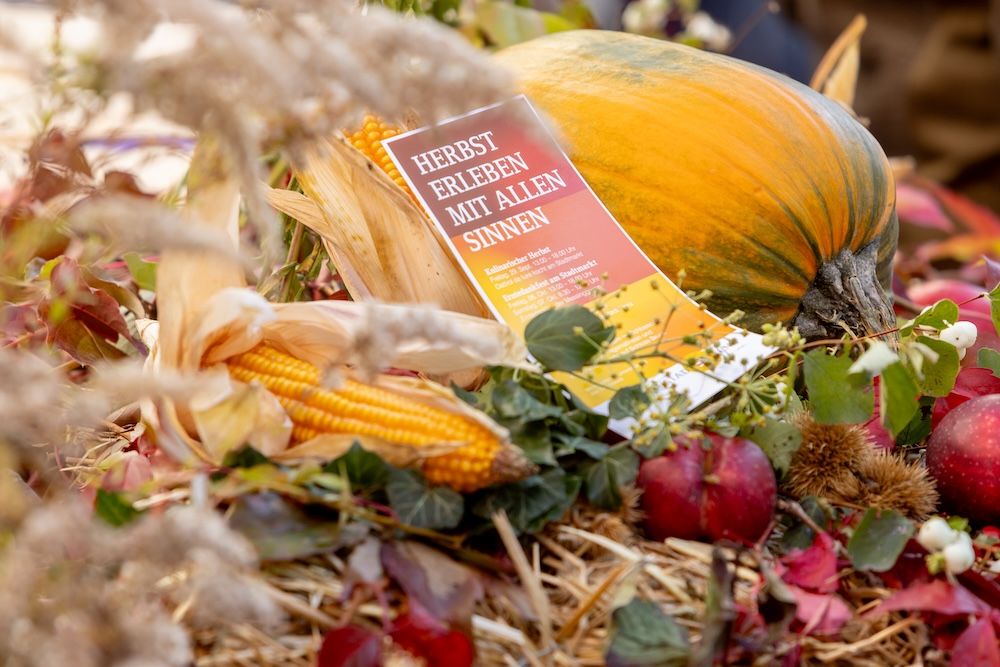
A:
[(762, 190)]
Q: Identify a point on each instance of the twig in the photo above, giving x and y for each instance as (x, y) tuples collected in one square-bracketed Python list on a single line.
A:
[(297, 606), (796, 510), (532, 586), (848, 649), (566, 630)]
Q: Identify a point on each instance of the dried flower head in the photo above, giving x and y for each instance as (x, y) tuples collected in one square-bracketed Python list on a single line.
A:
[(74, 591), (37, 405), (277, 73)]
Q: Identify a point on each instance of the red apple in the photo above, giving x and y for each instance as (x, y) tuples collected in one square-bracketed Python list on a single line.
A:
[(727, 491), (970, 383), (977, 310), (963, 456)]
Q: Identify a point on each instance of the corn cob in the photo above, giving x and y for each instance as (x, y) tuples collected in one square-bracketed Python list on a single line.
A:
[(368, 140), (360, 409)]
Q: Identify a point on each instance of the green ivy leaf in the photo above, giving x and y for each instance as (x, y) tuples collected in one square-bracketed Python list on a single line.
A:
[(244, 457), (990, 359), (535, 439), (643, 635), (565, 339), (364, 469), (779, 440), (836, 395), (511, 401), (940, 315), (114, 509), (628, 402), (939, 377), (423, 506), (578, 443), (798, 534), (919, 426), (472, 398), (581, 420), (603, 479), (898, 393), (280, 529), (878, 540), (532, 502)]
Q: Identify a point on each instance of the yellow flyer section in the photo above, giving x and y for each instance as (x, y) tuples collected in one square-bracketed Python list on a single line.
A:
[(531, 235)]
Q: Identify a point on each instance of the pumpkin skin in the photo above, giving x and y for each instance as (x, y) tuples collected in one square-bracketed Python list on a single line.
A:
[(748, 181)]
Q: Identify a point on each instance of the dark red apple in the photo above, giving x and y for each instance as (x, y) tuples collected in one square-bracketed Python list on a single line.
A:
[(963, 456), (970, 383), (726, 491)]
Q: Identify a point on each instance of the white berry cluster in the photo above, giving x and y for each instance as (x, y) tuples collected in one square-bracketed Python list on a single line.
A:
[(960, 334), (951, 549)]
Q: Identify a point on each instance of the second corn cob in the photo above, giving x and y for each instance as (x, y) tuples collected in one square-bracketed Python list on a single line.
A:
[(361, 409), (368, 139)]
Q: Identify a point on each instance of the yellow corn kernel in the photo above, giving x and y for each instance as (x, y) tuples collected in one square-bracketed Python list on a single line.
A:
[(368, 139), (356, 408)]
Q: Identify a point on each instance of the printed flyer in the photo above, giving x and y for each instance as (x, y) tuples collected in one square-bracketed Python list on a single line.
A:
[(531, 235)]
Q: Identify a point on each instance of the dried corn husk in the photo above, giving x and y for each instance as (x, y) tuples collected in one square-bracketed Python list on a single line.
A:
[(187, 279), (208, 315), (374, 233)]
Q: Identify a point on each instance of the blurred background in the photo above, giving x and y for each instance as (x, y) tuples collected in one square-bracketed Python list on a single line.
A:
[(929, 84)]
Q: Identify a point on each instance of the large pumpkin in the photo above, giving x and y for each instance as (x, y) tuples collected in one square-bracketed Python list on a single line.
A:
[(762, 190)]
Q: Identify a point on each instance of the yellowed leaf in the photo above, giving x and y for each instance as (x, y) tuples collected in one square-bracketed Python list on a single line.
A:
[(836, 76)]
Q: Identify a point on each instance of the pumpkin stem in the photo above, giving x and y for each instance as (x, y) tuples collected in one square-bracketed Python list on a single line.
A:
[(846, 295)]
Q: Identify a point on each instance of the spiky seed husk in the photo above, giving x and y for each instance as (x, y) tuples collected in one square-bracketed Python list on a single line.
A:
[(826, 461), (889, 482)]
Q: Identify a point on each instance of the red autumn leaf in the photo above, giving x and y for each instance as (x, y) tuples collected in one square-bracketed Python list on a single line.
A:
[(350, 646), (938, 596), (814, 568), (20, 323), (82, 321), (977, 646), (918, 207), (446, 589), (966, 212), (820, 614), (959, 247), (910, 567), (423, 636), (984, 587)]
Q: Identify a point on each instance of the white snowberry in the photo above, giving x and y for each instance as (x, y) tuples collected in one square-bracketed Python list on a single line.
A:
[(960, 334), (876, 359), (959, 555), (936, 534)]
